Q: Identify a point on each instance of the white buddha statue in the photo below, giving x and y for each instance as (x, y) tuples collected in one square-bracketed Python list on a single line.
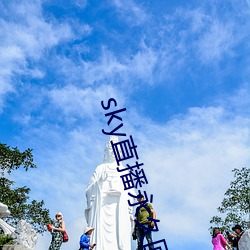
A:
[(108, 210), (25, 237)]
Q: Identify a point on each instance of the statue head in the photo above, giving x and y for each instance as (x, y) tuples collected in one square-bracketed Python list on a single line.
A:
[(4, 212), (109, 155)]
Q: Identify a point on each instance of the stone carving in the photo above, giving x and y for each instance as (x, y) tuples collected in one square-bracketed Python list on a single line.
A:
[(244, 242), (4, 212), (25, 237), (107, 205), (14, 247)]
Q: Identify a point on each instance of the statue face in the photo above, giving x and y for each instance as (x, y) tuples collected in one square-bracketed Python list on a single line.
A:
[(4, 212), (109, 155)]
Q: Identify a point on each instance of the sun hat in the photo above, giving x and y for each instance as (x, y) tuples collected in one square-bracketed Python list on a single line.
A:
[(59, 213), (87, 229)]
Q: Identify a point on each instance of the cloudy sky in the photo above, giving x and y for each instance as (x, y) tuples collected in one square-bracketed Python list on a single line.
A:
[(180, 68)]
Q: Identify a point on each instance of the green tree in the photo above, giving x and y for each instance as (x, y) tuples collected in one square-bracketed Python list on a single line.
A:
[(235, 207), (6, 239), (17, 199)]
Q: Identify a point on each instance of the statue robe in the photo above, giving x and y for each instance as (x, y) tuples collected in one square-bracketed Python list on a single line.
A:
[(108, 210)]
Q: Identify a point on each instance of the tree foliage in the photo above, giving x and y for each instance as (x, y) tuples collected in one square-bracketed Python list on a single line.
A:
[(17, 199), (6, 240), (11, 159), (235, 207)]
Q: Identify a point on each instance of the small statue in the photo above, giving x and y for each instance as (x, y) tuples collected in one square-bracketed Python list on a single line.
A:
[(23, 234), (4, 212)]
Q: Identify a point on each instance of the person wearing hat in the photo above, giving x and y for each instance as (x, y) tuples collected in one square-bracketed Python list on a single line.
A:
[(239, 231), (85, 239), (56, 231)]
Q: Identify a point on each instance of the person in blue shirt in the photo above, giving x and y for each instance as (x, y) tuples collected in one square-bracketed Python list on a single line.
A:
[(84, 240)]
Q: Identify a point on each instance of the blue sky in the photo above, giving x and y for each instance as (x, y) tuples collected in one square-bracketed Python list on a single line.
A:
[(180, 68)]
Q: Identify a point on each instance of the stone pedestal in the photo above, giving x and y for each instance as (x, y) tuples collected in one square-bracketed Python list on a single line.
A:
[(13, 247)]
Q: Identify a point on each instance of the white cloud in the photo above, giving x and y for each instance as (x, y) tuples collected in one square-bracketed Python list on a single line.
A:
[(25, 35), (80, 3), (198, 19), (131, 12), (188, 162), (105, 69), (143, 63), (240, 101), (82, 102), (198, 33), (217, 42), (30, 32), (121, 71)]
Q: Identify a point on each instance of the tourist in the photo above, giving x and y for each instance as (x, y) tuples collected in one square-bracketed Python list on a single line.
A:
[(231, 240), (142, 218), (56, 231), (238, 230), (85, 239), (218, 240)]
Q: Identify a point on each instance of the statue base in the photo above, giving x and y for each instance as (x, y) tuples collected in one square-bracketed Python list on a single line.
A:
[(12, 247)]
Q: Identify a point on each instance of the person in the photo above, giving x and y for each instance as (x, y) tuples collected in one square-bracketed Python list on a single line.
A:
[(85, 239), (231, 240), (108, 210), (142, 218), (56, 231), (236, 237), (218, 240)]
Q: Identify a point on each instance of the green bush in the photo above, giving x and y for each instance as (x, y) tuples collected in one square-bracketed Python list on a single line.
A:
[(6, 240)]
